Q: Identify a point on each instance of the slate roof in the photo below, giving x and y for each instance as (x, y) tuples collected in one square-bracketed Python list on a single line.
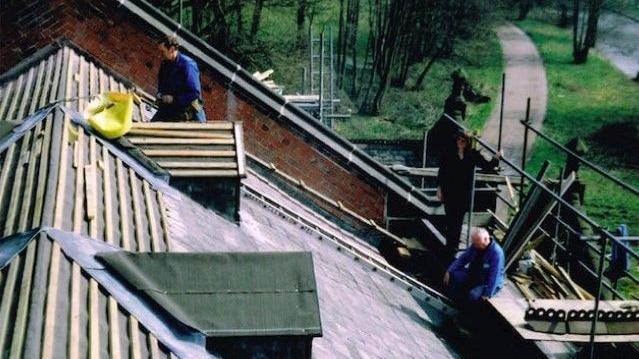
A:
[(55, 174)]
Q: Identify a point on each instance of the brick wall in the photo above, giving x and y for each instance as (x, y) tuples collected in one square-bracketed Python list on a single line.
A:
[(126, 45)]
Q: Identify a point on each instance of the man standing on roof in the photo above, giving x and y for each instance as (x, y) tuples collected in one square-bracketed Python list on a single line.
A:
[(479, 272), (179, 91), (455, 184)]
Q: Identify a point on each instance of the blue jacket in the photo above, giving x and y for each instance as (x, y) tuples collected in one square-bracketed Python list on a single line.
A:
[(491, 273), (181, 79)]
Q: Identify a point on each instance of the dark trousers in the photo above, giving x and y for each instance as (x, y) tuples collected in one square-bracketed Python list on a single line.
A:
[(463, 288), (454, 221), (170, 113)]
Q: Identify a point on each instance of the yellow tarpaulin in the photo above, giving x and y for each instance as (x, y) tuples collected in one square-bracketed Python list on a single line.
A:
[(111, 114)]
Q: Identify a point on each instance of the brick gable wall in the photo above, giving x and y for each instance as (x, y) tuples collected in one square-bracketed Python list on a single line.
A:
[(127, 45)]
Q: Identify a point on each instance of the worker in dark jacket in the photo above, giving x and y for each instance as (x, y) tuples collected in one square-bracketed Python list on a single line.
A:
[(479, 272), (454, 186), (179, 91)]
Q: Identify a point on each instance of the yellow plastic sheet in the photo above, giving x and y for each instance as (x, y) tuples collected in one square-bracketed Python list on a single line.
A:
[(111, 114)]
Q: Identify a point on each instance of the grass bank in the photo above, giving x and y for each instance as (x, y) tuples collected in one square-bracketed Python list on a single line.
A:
[(407, 114), (598, 103)]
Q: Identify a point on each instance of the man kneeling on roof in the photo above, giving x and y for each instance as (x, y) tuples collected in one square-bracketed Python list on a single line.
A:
[(479, 272), (179, 92)]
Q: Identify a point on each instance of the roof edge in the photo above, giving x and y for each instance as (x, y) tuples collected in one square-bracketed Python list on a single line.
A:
[(236, 74)]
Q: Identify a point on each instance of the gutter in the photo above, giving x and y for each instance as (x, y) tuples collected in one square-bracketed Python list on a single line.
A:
[(276, 103)]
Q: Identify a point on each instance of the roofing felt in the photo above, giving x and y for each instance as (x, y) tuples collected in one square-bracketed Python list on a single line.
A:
[(368, 308), (233, 294)]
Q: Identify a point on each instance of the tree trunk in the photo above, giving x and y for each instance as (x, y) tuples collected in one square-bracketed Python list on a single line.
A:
[(524, 8), (257, 15), (301, 14), (584, 29), (197, 16), (238, 17), (219, 27), (593, 19), (341, 45)]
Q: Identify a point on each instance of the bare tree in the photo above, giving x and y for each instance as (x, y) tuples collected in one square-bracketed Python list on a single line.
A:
[(585, 16), (257, 16)]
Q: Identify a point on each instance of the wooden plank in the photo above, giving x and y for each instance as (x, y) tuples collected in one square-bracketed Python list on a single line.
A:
[(90, 182), (188, 153), (202, 165), (204, 173), (150, 215), (433, 171), (513, 309), (164, 221), (78, 212), (74, 318), (38, 88), (154, 348), (211, 125), (137, 216), (180, 141), (12, 107), (115, 351), (8, 295), (239, 148), (106, 190), (26, 95), (134, 335), (5, 99), (51, 302), (54, 266), (94, 320), (566, 278), (179, 134), (123, 208), (7, 173)]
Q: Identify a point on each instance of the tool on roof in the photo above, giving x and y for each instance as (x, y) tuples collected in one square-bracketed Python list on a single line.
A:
[(111, 114)]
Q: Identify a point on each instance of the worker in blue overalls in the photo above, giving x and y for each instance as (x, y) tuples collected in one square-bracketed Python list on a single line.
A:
[(179, 91), (478, 274)]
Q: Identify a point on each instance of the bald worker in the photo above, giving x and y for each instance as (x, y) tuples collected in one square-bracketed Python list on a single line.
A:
[(479, 272)]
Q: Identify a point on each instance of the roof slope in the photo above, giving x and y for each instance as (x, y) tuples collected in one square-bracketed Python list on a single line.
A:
[(55, 174)]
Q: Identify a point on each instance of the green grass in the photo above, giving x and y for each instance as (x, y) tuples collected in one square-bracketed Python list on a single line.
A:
[(405, 114), (626, 7), (582, 100)]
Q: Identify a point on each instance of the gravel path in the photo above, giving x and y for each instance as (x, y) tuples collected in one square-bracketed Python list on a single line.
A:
[(525, 77), (618, 41)]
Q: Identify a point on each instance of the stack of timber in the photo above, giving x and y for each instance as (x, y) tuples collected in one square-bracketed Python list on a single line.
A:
[(185, 149), (263, 77), (546, 281)]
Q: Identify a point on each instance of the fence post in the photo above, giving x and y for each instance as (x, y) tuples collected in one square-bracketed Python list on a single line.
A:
[(603, 240), (501, 111), (470, 209), (524, 151)]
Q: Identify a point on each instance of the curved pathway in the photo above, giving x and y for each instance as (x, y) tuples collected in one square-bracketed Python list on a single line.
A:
[(525, 77), (618, 41)]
